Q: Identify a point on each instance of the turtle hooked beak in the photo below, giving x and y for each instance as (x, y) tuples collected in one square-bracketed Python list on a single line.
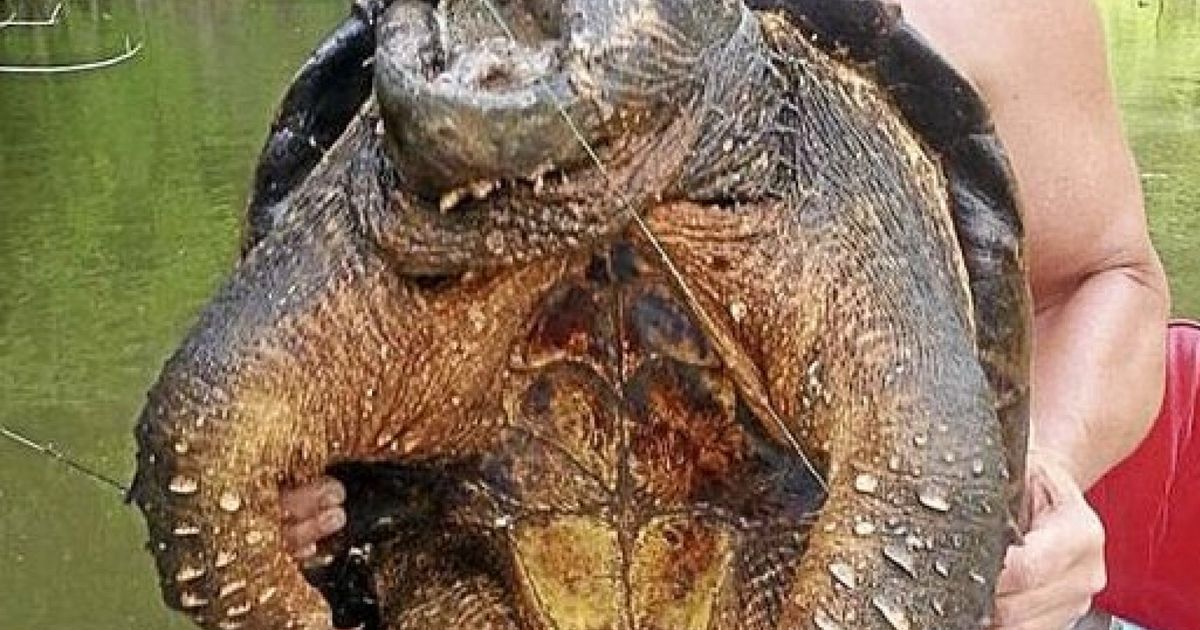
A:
[(464, 103), (468, 101)]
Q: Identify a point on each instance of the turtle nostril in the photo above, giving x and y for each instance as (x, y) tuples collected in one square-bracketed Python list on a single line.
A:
[(494, 76), (498, 65)]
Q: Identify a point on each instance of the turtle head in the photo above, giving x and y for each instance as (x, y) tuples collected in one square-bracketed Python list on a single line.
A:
[(480, 90)]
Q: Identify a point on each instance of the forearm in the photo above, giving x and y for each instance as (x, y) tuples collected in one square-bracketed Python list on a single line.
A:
[(1098, 369)]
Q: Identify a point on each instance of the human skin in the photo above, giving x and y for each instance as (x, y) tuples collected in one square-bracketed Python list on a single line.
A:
[(1099, 292)]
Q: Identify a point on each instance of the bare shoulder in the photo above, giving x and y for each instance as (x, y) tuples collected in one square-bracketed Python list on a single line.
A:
[(997, 42), (1042, 67)]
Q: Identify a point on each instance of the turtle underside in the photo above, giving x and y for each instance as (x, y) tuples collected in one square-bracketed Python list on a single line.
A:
[(792, 395), (625, 484)]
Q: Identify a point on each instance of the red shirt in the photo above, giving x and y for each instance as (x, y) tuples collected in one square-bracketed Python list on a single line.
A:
[(1150, 505)]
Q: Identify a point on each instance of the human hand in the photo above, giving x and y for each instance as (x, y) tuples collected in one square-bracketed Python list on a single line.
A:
[(1048, 581), (310, 513)]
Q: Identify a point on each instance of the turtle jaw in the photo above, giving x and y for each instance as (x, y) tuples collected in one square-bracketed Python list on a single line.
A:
[(467, 102), (465, 105)]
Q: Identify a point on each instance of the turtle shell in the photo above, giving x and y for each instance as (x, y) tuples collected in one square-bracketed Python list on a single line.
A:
[(316, 108)]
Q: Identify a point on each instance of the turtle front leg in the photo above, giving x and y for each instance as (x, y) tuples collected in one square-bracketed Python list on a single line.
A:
[(877, 372), (913, 531), (861, 352), (277, 381), (325, 94), (311, 355), (208, 485), (879, 375)]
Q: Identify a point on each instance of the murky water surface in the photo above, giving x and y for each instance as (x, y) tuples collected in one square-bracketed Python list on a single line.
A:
[(1155, 57), (119, 200)]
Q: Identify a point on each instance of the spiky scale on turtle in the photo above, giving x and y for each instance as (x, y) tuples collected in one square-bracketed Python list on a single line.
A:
[(574, 426)]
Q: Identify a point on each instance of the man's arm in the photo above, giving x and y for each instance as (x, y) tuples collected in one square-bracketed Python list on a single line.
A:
[(1099, 387), (1099, 291)]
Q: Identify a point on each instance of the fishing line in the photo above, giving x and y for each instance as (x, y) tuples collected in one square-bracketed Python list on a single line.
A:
[(659, 251), (49, 450)]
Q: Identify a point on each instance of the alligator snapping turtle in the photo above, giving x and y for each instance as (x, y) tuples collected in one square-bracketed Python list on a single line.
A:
[(763, 365)]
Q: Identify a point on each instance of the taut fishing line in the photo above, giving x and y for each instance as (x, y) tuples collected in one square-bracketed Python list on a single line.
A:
[(49, 450), (659, 251)]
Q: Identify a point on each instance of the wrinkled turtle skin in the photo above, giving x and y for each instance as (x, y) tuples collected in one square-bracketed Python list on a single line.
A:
[(810, 417)]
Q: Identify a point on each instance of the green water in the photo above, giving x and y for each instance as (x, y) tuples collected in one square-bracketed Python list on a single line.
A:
[(119, 196), (1155, 58)]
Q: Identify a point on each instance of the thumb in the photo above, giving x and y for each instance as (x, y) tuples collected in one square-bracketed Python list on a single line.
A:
[(1049, 489)]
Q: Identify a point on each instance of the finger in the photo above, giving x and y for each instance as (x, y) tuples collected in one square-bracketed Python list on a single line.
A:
[(1051, 489), (299, 536), (1040, 598), (330, 521), (1051, 608), (333, 493), (1067, 542), (1030, 568), (306, 552), (305, 502), (1027, 567)]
